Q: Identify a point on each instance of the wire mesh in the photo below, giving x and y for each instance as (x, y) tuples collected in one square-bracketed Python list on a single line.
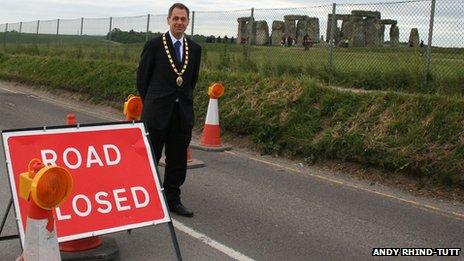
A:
[(14, 27), (96, 26), (127, 24), (29, 27), (70, 27), (158, 23)]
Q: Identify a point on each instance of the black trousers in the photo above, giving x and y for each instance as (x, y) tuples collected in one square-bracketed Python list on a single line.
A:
[(175, 139)]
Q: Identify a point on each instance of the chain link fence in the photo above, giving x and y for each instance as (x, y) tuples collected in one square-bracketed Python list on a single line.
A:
[(411, 43)]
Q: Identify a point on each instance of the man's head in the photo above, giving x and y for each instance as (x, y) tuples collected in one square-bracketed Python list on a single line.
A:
[(178, 19)]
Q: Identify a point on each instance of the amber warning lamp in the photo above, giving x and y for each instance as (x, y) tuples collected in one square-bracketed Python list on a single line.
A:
[(133, 108), (216, 90), (48, 186)]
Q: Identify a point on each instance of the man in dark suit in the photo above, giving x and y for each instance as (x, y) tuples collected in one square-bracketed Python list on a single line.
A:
[(167, 74)]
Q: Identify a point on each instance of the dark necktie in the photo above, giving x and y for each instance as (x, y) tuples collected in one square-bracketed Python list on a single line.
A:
[(177, 50)]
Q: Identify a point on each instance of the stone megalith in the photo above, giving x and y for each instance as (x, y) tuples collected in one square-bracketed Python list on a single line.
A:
[(313, 29), (346, 34), (261, 31), (277, 32), (290, 26), (309, 26), (301, 28), (242, 34), (394, 36), (414, 38), (382, 35), (358, 38), (373, 32)]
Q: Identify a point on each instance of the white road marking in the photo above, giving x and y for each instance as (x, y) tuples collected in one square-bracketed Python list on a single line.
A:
[(210, 242), (8, 90), (427, 207)]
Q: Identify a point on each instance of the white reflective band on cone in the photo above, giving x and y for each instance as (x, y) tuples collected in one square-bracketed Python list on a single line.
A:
[(212, 116), (40, 244)]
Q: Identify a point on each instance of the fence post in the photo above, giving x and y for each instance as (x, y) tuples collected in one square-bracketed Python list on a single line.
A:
[(250, 28), (37, 35), (193, 23), (58, 32), (332, 38), (82, 25), (111, 29), (4, 37), (427, 71), (250, 33), (18, 42), (148, 27)]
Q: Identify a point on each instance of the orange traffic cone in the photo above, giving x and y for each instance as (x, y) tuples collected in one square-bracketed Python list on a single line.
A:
[(45, 188), (211, 137), (71, 119)]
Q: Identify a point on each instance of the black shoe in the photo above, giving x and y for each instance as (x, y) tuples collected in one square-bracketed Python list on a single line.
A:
[(180, 210)]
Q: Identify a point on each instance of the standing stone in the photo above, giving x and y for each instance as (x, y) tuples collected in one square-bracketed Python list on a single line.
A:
[(277, 32), (313, 29), (301, 30), (261, 31), (394, 36), (290, 28), (346, 34), (358, 38), (373, 30), (242, 29), (382, 35), (414, 38)]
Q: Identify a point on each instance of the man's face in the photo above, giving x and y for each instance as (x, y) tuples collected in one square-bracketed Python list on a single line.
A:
[(178, 21)]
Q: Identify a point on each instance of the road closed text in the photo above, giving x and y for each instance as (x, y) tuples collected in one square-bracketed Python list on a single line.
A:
[(74, 159), (106, 202)]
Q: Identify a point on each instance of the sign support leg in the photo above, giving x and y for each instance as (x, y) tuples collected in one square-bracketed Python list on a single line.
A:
[(174, 241), (5, 216)]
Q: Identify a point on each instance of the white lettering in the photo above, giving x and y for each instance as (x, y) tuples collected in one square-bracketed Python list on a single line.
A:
[(106, 149), (136, 199), (48, 160), (87, 201), (96, 159), (60, 216), (118, 199), (103, 202), (66, 161)]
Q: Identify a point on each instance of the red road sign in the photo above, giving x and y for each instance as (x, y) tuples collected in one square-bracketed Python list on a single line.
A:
[(116, 185)]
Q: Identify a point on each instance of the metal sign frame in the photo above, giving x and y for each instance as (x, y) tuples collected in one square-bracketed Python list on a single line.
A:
[(6, 134)]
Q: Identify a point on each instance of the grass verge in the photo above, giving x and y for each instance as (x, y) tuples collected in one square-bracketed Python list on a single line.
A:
[(416, 134)]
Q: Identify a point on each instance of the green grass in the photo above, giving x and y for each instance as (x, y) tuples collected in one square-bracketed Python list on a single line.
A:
[(415, 134), (400, 69)]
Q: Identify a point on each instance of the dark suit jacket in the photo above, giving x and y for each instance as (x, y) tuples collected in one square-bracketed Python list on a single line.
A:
[(156, 83)]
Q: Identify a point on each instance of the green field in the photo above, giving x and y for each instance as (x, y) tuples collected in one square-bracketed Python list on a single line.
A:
[(399, 69)]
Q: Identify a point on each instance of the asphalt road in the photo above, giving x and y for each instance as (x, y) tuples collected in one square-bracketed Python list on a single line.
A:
[(248, 206)]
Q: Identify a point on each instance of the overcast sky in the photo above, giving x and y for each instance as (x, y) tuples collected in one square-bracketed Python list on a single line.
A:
[(12, 11), (215, 17)]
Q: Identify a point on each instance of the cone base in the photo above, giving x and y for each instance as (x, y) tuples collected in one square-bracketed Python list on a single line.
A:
[(221, 148), (81, 244), (191, 164), (107, 251)]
